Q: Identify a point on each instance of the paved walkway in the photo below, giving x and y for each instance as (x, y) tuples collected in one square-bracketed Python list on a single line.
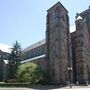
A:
[(15, 89), (51, 88)]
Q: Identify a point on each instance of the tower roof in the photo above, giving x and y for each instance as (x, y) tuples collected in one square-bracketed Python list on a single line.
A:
[(79, 18), (84, 12), (57, 4), (42, 42)]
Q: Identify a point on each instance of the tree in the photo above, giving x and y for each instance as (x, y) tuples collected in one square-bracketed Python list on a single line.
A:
[(1, 65), (30, 73), (14, 60)]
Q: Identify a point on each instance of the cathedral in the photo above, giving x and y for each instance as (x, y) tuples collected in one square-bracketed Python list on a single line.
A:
[(64, 55)]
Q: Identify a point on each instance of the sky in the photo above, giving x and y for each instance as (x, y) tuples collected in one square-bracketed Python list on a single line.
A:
[(25, 20)]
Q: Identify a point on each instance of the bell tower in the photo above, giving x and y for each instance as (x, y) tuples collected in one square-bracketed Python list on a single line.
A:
[(57, 44), (82, 50)]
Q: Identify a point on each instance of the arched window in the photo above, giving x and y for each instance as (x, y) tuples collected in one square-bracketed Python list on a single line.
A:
[(53, 54)]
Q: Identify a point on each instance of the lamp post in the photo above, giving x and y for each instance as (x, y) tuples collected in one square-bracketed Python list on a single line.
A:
[(70, 76)]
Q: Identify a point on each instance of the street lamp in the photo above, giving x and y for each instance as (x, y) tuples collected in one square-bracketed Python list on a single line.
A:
[(70, 75)]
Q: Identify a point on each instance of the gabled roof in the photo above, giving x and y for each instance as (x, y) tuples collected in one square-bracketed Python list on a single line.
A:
[(58, 3), (42, 42), (88, 10)]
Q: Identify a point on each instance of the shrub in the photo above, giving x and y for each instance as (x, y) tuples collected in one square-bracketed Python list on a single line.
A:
[(11, 81), (14, 85), (30, 73)]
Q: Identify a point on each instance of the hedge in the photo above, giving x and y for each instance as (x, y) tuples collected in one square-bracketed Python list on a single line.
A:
[(14, 85)]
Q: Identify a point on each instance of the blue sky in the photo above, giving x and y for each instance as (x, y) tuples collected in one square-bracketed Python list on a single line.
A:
[(25, 20)]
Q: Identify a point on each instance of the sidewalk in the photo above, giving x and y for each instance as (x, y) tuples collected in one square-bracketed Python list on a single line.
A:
[(74, 88), (51, 88)]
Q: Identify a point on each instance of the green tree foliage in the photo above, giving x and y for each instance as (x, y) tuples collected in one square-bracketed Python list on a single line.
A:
[(30, 73), (1, 65), (14, 60)]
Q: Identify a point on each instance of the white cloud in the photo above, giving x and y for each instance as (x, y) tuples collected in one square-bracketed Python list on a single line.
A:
[(72, 28), (5, 48)]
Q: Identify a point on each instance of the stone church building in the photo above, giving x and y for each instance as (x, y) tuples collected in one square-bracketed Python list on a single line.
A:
[(65, 55)]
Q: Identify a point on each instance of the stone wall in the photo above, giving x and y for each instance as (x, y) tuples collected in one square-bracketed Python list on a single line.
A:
[(82, 47), (41, 62), (57, 44), (73, 46)]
